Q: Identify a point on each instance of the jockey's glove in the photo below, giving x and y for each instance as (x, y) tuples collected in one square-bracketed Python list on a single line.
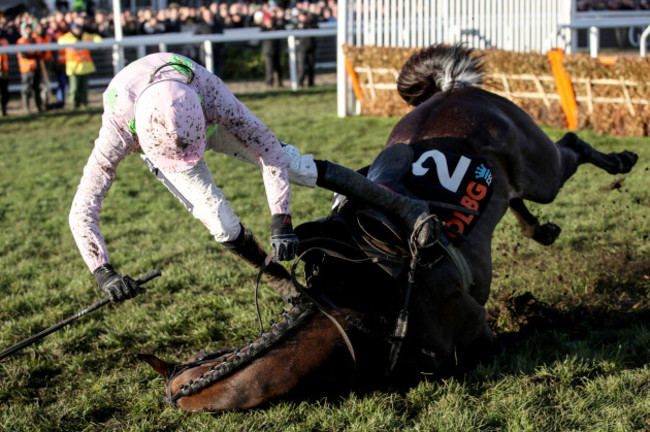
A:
[(283, 240), (117, 287)]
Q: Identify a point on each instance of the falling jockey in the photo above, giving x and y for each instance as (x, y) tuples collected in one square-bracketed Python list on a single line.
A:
[(172, 110)]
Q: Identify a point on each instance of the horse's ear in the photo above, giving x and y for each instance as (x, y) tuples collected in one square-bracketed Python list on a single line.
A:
[(163, 368)]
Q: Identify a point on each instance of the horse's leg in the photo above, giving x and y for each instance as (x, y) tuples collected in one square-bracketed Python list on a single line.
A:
[(576, 152), (530, 226), (543, 166), (544, 181)]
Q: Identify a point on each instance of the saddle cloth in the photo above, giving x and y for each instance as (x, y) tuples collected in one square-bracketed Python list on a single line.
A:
[(419, 171)]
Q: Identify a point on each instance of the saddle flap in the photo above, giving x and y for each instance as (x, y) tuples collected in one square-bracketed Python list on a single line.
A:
[(325, 234), (381, 234), (357, 235)]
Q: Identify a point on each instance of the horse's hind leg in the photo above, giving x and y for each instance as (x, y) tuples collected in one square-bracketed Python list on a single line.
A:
[(573, 153), (613, 163), (530, 227)]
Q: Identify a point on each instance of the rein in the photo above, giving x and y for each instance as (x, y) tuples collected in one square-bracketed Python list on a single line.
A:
[(305, 292), (265, 264)]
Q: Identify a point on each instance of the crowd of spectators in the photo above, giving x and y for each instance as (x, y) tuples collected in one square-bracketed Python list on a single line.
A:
[(612, 5), (211, 18), (174, 18)]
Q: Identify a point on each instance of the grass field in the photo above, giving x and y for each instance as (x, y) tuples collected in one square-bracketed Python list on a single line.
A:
[(576, 356)]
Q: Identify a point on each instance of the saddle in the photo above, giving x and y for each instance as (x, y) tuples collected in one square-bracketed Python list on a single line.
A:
[(358, 231)]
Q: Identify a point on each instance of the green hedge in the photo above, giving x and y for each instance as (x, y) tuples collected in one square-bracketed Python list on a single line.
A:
[(245, 62)]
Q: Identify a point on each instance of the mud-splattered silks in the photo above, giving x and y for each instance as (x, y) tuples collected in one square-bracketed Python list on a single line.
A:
[(117, 139)]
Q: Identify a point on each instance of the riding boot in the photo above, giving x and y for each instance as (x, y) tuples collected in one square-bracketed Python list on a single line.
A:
[(249, 249), (342, 180)]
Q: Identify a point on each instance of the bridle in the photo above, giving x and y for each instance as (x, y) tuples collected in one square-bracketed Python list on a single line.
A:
[(228, 361)]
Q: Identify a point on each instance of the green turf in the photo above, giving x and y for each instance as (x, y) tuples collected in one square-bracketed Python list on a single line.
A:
[(589, 370)]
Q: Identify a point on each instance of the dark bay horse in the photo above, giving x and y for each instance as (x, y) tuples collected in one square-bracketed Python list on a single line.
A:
[(369, 291)]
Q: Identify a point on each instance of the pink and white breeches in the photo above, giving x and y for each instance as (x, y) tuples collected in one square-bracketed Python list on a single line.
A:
[(196, 190)]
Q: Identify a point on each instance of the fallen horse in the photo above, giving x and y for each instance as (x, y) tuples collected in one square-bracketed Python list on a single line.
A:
[(381, 296)]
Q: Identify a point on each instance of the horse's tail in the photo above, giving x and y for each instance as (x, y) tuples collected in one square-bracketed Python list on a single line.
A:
[(438, 68)]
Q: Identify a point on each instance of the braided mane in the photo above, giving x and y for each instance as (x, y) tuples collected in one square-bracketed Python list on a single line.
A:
[(224, 363)]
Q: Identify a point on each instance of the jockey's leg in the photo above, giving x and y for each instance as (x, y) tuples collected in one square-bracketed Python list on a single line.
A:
[(391, 166), (249, 249), (196, 190)]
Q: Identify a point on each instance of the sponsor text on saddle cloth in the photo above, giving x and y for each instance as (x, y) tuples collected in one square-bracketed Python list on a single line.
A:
[(452, 178)]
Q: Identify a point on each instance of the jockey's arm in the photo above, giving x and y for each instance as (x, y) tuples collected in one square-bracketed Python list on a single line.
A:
[(254, 138), (111, 147)]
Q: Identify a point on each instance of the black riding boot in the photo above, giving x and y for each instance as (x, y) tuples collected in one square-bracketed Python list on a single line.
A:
[(344, 181), (251, 251)]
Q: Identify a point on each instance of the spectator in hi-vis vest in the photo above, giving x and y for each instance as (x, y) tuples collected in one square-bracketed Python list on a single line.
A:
[(30, 72), (78, 63), (45, 63)]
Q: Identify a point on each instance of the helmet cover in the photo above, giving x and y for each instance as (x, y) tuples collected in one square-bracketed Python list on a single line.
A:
[(170, 125)]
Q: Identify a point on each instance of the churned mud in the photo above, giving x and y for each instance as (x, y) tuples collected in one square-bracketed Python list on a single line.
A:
[(618, 299)]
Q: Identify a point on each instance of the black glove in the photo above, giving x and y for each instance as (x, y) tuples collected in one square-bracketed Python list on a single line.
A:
[(117, 287), (283, 240)]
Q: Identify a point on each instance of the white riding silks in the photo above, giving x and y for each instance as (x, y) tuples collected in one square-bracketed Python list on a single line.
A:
[(209, 204), (302, 169)]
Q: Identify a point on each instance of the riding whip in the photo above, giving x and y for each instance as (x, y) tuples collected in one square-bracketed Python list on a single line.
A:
[(38, 336)]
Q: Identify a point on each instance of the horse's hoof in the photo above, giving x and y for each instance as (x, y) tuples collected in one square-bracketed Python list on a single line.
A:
[(621, 162), (628, 159), (547, 233)]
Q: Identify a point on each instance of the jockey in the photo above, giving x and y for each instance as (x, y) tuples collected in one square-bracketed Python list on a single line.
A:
[(172, 110)]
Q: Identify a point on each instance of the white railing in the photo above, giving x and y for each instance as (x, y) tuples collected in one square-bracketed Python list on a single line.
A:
[(515, 25), (594, 21), (530, 25)]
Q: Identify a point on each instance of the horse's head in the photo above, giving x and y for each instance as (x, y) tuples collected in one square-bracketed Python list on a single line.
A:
[(265, 368)]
